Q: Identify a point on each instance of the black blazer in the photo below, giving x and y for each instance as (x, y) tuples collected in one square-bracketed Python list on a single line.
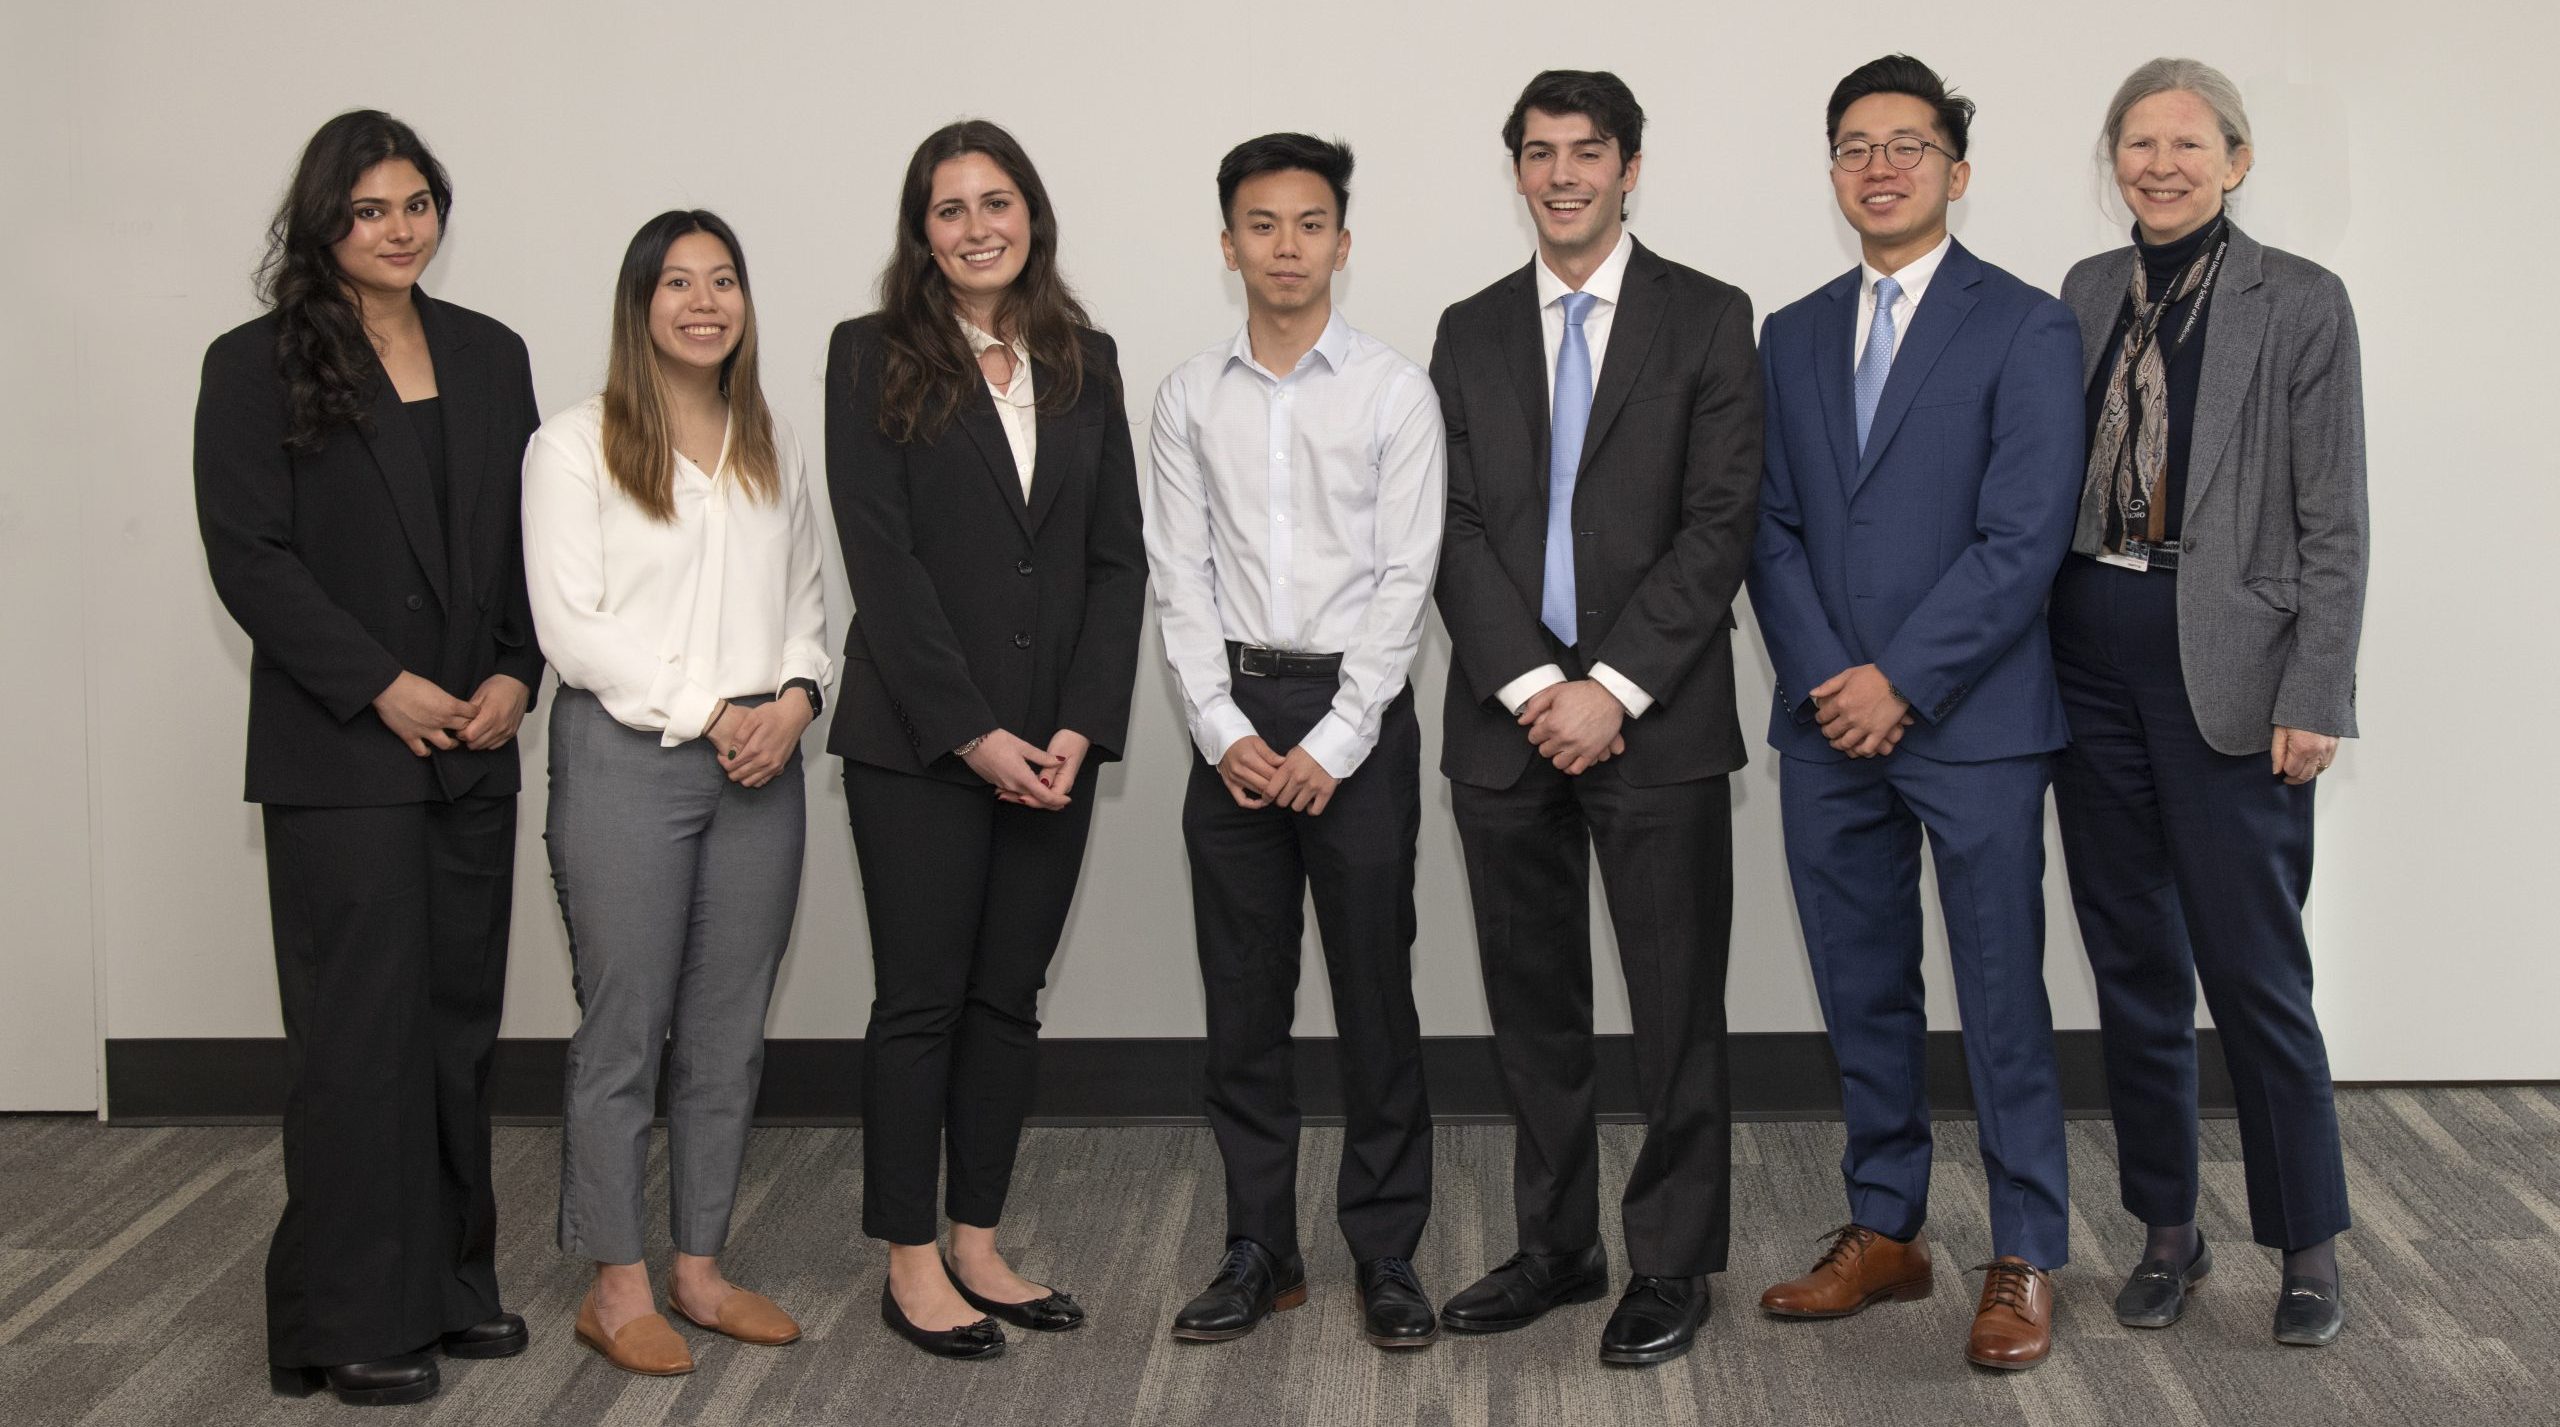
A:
[(974, 610), (1665, 509), (344, 572)]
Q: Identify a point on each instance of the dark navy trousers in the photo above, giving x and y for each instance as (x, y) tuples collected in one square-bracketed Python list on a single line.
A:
[(2189, 864), (1853, 831)]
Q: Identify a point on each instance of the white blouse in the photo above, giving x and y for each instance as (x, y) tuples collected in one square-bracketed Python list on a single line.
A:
[(660, 620), (1015, 402)]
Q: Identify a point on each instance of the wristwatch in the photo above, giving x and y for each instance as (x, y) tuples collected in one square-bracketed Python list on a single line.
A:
[(817, 699)]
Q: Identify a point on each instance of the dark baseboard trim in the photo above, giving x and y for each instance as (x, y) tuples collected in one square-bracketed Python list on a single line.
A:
[(1776, 1076)]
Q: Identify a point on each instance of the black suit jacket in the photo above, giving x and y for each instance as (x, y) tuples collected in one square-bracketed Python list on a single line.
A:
[(974, 609), (1664, 507), (345, 572)]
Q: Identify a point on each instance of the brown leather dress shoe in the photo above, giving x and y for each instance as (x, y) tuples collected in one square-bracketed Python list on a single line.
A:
[(1861, 1267), (646, 1345), (746, 1316), (2013, 1325)]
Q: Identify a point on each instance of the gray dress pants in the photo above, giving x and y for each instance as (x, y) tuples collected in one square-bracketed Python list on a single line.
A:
[(678, 888)]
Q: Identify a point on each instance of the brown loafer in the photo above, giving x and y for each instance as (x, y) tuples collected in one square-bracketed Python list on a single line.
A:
[(1861, 1267), (746, 1316), (2013, 1326), (646, 1345)]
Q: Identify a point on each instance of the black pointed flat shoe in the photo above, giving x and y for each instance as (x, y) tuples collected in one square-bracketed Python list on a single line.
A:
[(385, 1382), (969, 1341), (2309, 1313), (1057, 1313), (2156, 1292)]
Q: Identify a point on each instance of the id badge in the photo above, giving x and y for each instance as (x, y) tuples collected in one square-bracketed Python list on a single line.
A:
[(2135, 556)]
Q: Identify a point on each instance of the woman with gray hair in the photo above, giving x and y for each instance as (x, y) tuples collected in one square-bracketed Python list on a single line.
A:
[(2205, 638)]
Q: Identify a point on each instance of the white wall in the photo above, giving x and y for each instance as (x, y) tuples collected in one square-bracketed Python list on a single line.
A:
[(2406, 161)]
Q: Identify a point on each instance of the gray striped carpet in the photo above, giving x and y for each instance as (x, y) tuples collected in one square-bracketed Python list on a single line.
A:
[(130, 1263)]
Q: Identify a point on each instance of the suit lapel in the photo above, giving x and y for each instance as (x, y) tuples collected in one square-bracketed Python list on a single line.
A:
[(1524, 345), (2099, 306), (978, 417), (404, 469), (1949, 298), (1047, 471), (1631, 329), (2235, 326), (1835, 378)]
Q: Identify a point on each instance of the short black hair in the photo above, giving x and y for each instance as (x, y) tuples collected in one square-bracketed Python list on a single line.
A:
[(1901, 74), (1279, 153), (1595, 94)]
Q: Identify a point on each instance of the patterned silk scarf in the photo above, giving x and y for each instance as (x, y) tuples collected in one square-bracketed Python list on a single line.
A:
[(2129, 454)]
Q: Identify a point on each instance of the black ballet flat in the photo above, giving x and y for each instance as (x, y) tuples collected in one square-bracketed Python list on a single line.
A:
[(969, 1341), (1057, 1313), (386, 1382)]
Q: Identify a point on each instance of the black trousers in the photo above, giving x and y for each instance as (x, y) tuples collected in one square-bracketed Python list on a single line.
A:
[(967, 898), (2188, 864), (1252, 870), (391, 965), (1666, 856)]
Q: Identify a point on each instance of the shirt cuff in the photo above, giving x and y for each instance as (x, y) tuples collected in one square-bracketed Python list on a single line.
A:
[(1635, 699), (1512, 695), (688, 714), (1336, 746), (1219, 726)]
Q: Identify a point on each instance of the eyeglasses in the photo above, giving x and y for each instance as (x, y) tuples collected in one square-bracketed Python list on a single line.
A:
[(1854, 155)]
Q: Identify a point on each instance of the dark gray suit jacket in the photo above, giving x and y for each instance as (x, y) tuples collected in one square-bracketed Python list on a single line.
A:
[(2271, 580), (1664, 510)]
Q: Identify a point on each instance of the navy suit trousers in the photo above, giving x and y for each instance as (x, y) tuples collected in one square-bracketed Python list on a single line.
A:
[(1853, 832), (2188, 863)]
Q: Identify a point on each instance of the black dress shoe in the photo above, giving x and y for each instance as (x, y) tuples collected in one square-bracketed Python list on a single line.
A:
[(501, 1337), (386, 1382), (982, 1339), (2310, 1313), (1656, 1321), (1054, 1314), (1394, 1311), (1521, 1291), (1251, 1285), (2157, 1292)]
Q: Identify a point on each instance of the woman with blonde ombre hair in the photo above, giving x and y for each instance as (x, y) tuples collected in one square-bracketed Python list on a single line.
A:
[(673, 558)]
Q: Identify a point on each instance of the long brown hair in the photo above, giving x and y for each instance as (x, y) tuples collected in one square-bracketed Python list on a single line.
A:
[(927, 369), (639, 415), (328, 362)]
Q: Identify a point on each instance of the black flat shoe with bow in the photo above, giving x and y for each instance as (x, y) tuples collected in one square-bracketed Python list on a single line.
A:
[(1056, 1313), (982, 1339)]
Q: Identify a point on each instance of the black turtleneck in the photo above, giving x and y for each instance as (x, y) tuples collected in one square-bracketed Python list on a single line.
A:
[(2161, 264)]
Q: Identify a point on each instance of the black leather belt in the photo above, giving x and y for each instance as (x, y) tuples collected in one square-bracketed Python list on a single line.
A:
[(1256, 662)]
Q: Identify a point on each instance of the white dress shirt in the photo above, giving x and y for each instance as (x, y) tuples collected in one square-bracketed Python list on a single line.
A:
[(1913, 279), (1298, 512), (1016, 404), (660, 620), (1603, 284)]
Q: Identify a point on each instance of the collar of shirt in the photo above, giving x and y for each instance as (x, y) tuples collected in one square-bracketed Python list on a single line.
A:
[(1603, 283), (1018, 391), (1333, 344), (1913, 278)]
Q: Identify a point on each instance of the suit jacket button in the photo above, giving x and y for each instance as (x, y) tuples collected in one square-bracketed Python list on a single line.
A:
[(1022, 641), (415, 602), (1022, 567)]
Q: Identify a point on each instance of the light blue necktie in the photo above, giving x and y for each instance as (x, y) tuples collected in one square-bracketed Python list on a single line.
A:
[(1571, 417), (1876, 362)]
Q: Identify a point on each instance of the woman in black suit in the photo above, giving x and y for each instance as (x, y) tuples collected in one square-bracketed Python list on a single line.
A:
[(357, 453), (979, 463)]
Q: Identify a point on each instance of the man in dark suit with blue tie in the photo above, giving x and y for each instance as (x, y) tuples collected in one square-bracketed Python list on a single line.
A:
[(1922, 469)]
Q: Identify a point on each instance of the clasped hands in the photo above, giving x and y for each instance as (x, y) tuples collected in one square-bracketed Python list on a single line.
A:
[(1027, 775), (422, 715), (1575, 724), (754, 744), (1859, 712), (1256, 777)]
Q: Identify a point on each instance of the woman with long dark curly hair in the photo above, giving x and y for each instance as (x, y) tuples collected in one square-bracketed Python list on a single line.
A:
[(979, 463), (357, 452)]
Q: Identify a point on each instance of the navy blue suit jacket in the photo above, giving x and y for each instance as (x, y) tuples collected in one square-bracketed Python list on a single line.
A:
[(1929, 557)]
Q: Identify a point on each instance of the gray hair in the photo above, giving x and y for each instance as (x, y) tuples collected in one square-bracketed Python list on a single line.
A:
[(2160, 76)]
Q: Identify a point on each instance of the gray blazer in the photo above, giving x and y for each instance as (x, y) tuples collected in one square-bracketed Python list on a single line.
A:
[(2271, 579)]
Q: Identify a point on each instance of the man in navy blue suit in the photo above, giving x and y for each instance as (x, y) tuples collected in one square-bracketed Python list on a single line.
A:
[(1922, 467)]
